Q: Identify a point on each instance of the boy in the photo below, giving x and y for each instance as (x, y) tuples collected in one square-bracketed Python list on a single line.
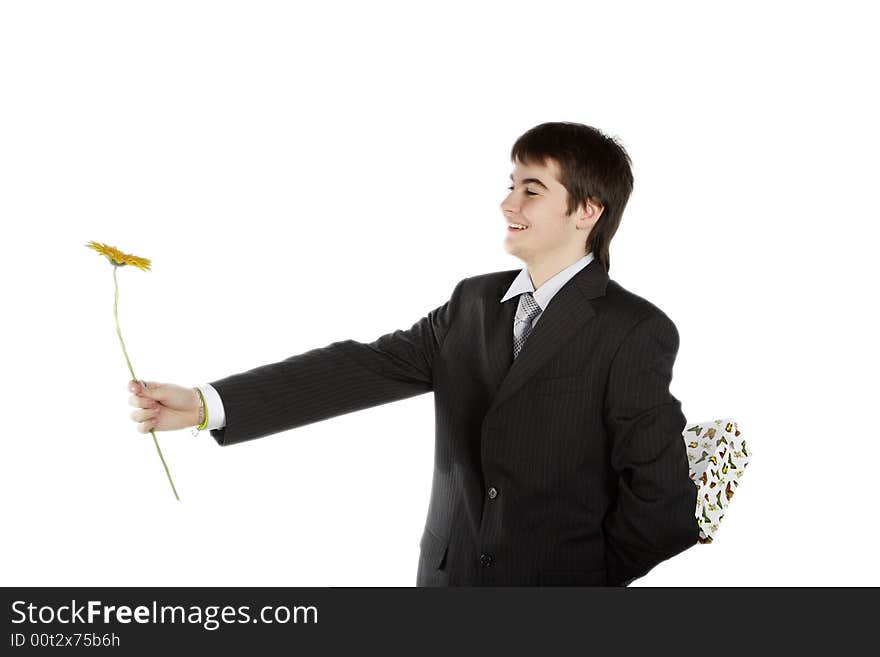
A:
[(559, 456)]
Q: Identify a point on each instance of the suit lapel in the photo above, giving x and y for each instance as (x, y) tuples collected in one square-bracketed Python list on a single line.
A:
[(566, 314), (499, 331)]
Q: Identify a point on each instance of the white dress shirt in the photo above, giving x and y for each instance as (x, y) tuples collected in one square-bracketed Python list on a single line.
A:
[(522, 283)]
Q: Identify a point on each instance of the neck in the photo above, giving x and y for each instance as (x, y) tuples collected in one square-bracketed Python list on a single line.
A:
[(545, 268)]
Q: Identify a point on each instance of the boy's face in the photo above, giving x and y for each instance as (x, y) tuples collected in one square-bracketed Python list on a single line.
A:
[(539, 201)]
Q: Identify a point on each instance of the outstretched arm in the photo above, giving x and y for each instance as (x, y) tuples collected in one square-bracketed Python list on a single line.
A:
[(342, 377)]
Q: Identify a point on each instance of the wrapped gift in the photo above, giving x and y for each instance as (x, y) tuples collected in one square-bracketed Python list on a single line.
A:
[(717, 455)]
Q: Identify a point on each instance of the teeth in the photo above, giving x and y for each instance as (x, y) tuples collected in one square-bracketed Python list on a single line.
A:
[(518, 226)]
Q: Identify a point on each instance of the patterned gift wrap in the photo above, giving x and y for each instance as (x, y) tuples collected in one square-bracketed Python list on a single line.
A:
[(718, 457)]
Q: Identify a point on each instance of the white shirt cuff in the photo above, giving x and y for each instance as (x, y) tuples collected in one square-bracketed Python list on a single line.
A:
[(216, 414)]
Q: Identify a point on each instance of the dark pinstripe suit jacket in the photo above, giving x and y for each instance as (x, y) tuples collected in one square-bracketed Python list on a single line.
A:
[(566, 466)]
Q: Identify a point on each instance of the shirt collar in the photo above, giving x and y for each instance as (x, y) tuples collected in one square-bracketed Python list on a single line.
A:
[(523, 282)]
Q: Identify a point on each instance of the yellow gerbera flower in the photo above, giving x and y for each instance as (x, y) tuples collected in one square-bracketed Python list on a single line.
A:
[(119, 259)]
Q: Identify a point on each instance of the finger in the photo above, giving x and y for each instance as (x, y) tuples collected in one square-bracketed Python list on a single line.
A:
[(143, 388), (144, 427), (142, 416), (142, 402)]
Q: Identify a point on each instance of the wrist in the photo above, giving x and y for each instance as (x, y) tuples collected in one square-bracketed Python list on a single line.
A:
[(200, 413)]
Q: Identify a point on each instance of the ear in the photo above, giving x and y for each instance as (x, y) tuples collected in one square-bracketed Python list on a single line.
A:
[(591, 210)]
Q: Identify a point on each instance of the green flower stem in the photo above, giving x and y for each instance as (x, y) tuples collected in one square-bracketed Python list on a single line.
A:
[(133, 377)]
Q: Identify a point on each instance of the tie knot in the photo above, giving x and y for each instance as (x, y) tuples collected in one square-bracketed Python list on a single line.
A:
[(526, 313), (528, 307)]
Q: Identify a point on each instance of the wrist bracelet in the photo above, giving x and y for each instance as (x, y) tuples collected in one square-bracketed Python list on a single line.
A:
[(203, 410)]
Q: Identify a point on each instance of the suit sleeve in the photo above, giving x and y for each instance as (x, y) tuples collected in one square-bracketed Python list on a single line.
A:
[(340, 378), (654, 517)]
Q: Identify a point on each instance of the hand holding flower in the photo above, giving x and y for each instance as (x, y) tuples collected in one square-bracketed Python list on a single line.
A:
[(119, 259), (163, 406)]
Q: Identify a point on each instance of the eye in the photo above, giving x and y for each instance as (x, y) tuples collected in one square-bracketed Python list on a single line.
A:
[(528, 191)]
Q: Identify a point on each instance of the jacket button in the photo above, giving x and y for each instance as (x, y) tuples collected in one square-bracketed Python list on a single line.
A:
[(493, 493), (485, 559)]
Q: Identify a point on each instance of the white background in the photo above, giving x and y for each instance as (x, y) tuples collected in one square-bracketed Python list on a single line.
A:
[(304, 173)]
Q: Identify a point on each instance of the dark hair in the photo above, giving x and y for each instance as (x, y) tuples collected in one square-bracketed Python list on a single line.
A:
[(592, 165)]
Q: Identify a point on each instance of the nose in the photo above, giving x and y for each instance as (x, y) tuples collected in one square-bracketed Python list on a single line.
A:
[(509, 206)]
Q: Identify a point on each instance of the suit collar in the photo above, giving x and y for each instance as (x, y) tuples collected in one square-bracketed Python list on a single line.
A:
[(569, 311), (523, 282)]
